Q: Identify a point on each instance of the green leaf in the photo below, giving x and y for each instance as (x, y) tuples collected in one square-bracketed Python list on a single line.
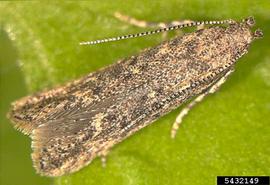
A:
[(227, 134)]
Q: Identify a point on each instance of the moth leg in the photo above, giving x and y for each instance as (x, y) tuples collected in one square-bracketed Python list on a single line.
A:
[(184, 112), (198, 99), (146, 24), (103, 157)]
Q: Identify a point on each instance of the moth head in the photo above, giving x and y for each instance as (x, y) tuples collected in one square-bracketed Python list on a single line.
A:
[(250, 21), (258, 34)]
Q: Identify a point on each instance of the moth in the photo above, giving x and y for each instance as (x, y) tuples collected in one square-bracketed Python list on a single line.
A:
[(72, 124)]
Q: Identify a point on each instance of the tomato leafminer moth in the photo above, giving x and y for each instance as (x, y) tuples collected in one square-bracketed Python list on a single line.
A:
[(72, 124)]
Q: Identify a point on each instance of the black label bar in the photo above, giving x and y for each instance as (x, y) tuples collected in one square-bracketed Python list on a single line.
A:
[(245, 180)]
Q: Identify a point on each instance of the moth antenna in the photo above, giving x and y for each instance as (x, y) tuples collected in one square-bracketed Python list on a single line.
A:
[(175, 27)]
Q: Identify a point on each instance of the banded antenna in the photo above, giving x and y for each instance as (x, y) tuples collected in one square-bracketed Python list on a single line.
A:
[(191, 24)]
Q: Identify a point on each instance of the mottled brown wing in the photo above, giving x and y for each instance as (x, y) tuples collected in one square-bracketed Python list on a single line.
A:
[(31, 111), (68, 142), (166, 65)]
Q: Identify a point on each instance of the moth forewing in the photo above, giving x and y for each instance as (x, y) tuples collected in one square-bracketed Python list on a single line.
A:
[(74, 123)]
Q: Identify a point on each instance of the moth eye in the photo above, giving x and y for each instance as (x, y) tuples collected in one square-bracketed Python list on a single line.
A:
[(258, 34), (250, 21)]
